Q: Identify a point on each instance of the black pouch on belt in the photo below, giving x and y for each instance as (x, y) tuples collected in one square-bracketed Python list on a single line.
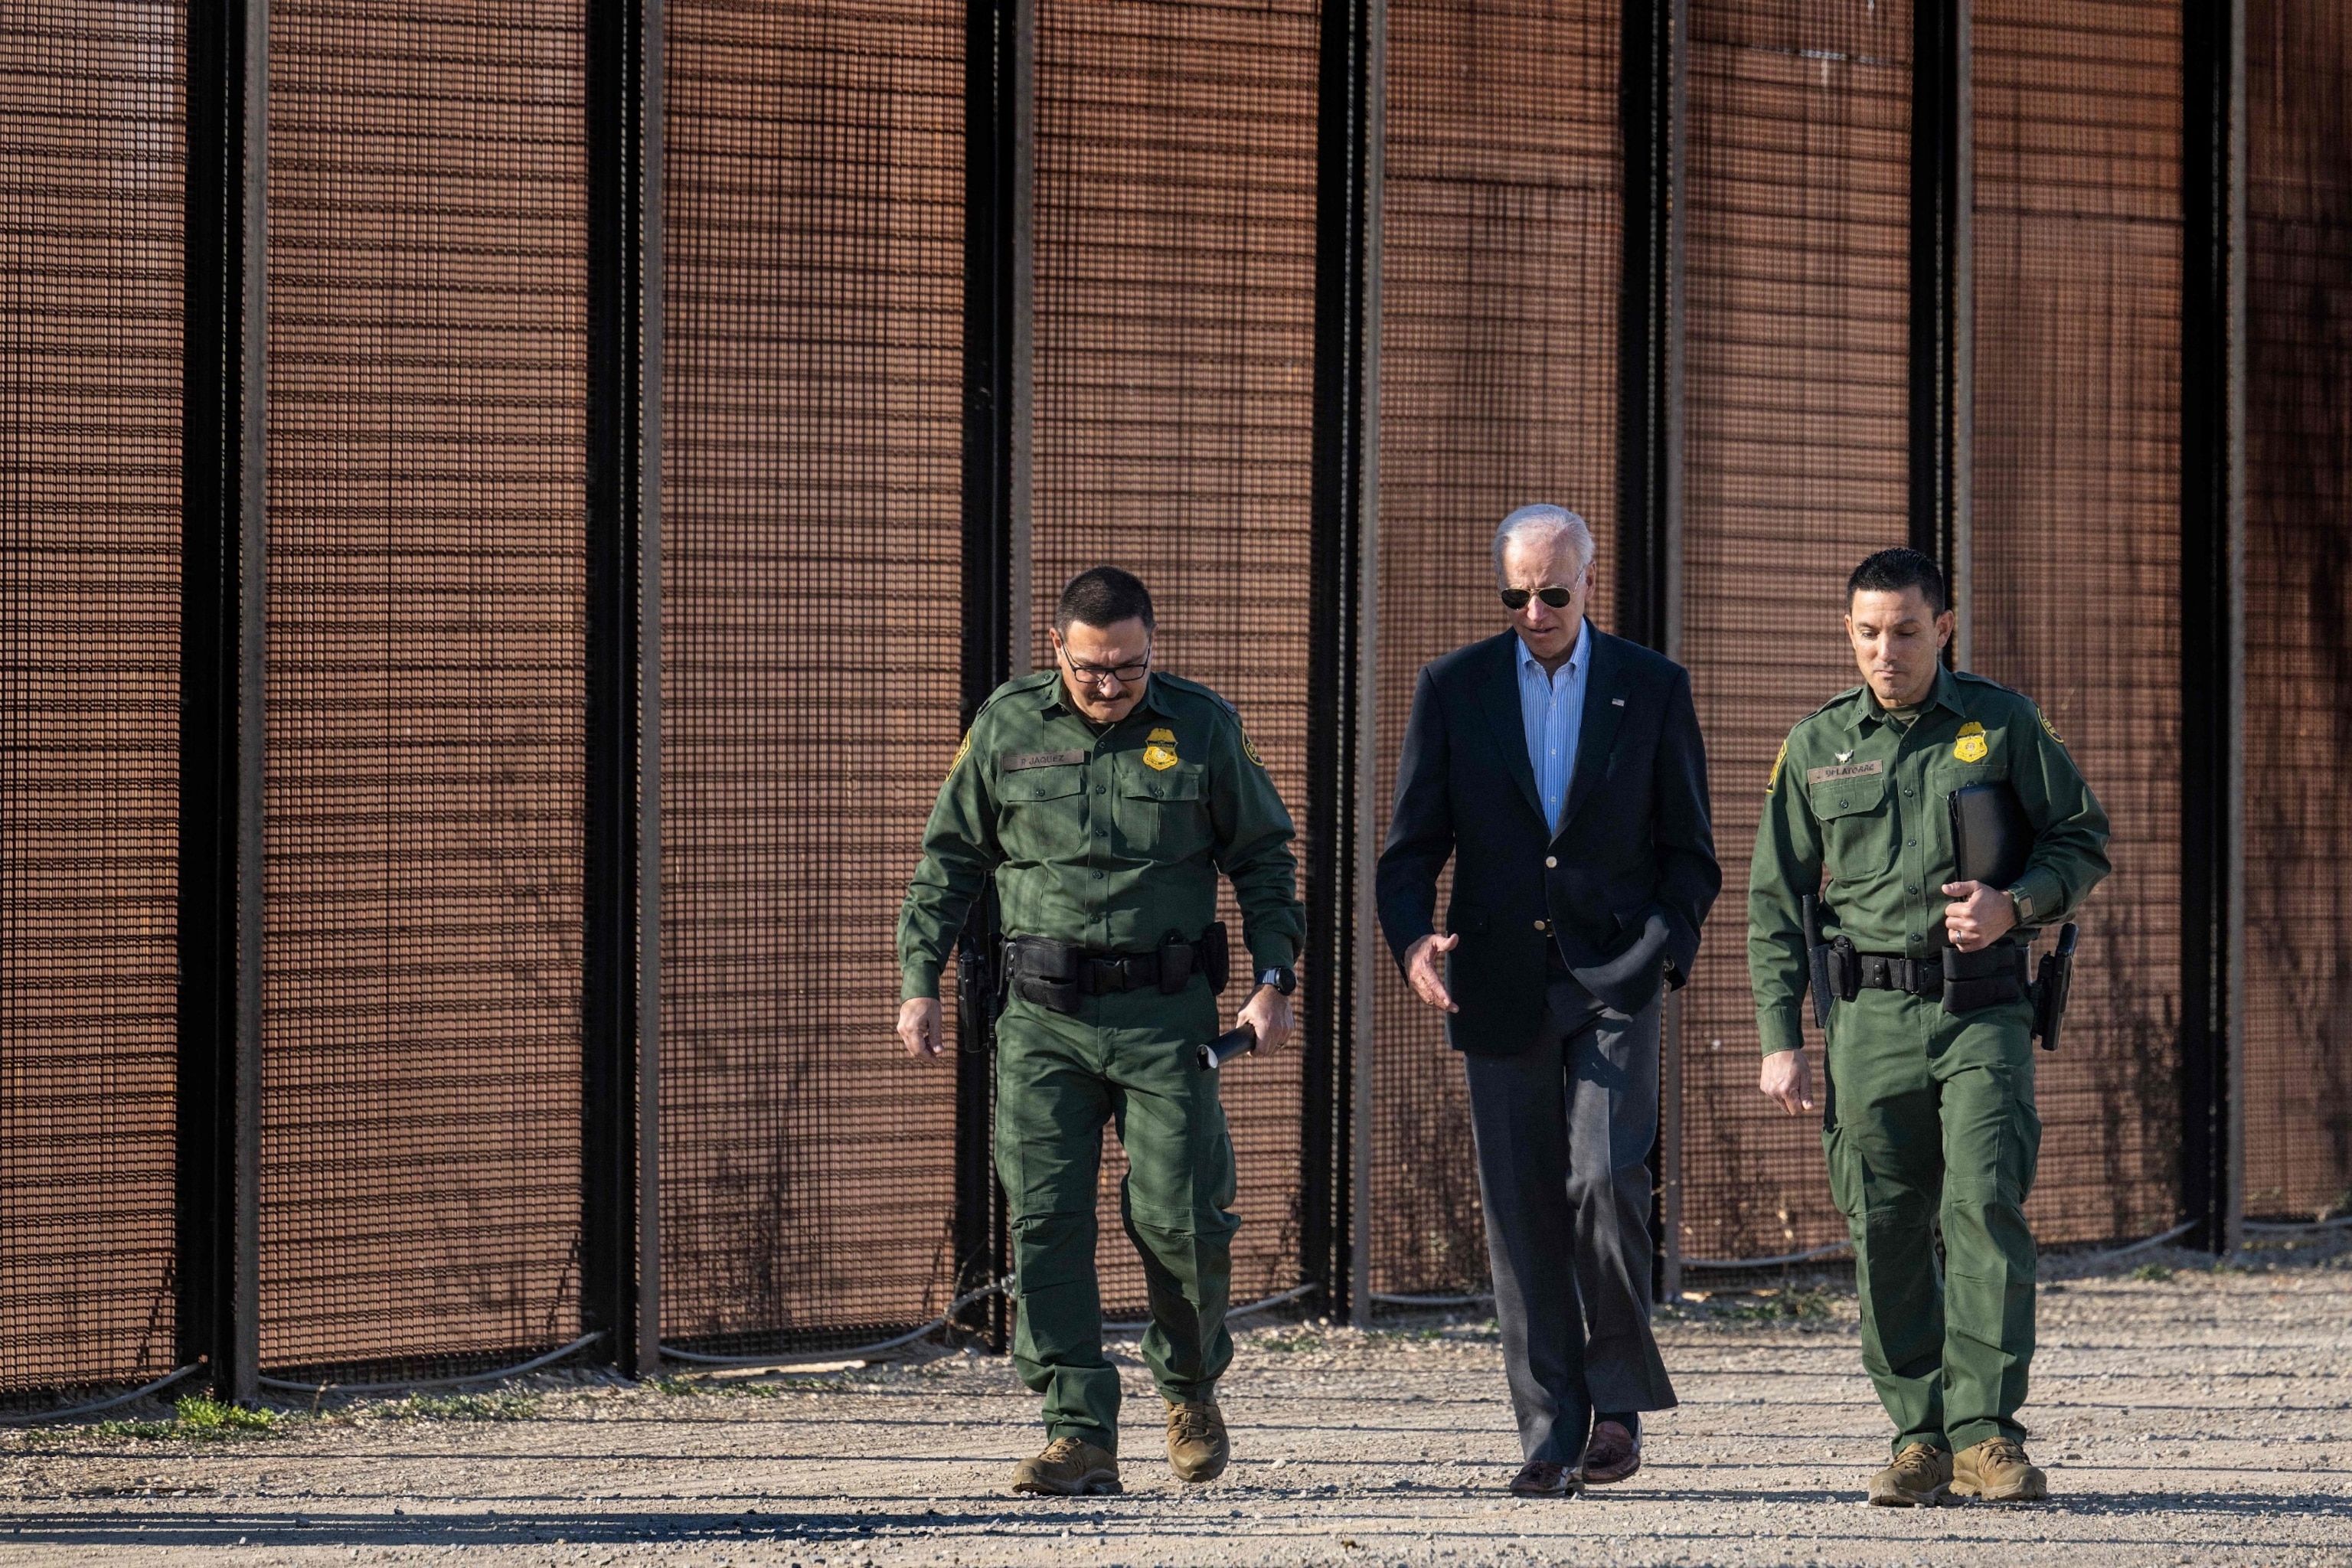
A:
[(1210, 955), (1843, 968), (1175, 963), (1985, 978), (1045, 972)]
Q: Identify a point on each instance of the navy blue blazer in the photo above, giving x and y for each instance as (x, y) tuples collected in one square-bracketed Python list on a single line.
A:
[(1624, 885)]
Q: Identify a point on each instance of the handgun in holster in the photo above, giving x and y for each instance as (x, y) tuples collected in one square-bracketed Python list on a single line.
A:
[(980, 977), (1833, 971), (2050, 986)]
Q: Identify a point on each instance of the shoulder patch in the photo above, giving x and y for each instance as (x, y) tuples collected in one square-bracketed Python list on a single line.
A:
[(961, 752), (1249, 750), (2048, 728), (1770, 783)]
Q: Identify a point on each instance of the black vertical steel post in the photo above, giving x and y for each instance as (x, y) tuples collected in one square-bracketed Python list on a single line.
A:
[(1644, 112), (210, 479), (1335, 511), (2208, 48), (608, 1012), (1936, 230), (1645, 105), (991, 86)]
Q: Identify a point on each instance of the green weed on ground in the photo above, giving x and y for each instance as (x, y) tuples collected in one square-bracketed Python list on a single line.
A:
[(2151, 1273), (198, 1418)]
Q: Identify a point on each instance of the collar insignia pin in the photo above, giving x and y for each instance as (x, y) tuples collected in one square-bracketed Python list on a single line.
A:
[(1842, 756)]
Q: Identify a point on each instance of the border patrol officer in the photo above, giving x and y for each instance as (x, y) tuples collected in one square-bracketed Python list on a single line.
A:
[(1106, 798), (1929, 1112)]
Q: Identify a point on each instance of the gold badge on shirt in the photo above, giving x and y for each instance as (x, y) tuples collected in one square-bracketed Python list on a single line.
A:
[(1159, 750), (1971, 745)]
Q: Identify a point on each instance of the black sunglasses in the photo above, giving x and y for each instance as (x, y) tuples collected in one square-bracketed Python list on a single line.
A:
[(1557, 598)]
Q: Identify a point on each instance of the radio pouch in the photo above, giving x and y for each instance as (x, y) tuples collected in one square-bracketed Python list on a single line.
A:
[(1985, 978), (1046, 972)]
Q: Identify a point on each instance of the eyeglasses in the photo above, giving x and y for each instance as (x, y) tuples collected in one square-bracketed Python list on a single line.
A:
[(1096, 674), (1557, 598)]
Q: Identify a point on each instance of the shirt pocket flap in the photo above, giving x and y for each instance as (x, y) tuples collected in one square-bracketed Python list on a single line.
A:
[(1043, 783), (1162, 783), (1834, 798)]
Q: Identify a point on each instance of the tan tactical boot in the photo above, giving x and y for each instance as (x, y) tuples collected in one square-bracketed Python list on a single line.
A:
[(1069, 1466), (1998, 1471), (1916, 1479), (1197, 1448)]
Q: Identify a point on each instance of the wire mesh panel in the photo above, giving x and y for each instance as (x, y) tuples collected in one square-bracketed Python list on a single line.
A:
[(1174, 394), (1498, 343), (2298, 726), (2077, 539), (421, 1161), (811, 611), (91, 193), (1795, 452)]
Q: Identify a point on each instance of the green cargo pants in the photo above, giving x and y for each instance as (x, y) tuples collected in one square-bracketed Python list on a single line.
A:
[(1930, 1116), (1126, 1059)]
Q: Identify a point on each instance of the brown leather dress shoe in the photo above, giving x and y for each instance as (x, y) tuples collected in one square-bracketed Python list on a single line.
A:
[(1615, 1453), (1541, 1478)]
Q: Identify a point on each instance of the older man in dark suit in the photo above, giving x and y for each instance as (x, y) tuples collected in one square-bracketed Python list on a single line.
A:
[(1562, 769)]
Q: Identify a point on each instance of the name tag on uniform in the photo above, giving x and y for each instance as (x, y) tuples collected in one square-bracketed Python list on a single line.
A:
[(1015, 762), (1851, 771)]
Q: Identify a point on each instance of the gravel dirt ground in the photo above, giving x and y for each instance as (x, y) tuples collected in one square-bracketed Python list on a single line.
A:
[(2187, 1414)]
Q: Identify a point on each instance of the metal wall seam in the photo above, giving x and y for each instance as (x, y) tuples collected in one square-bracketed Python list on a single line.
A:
[(252, 715), (1937, 209), (1960, 570), (651, 60), (2212, 620), (1670, 1055), (1365, 947), (2234, 722), (609, 1070), (1337, 499), (1021, 586), (995, 620)]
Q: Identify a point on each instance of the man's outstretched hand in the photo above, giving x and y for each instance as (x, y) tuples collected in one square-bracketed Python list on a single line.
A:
[(1427, 974), (1788, 1078), (920, 1025)]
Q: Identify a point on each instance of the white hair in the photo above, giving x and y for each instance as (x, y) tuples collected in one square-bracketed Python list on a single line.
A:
[(1547, 523)]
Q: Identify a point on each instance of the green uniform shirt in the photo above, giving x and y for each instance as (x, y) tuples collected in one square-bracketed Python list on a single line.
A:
[(1866, 800), (1109, 839)]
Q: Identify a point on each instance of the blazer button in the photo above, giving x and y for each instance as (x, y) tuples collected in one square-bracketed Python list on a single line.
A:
[(1551, 862), (1541, 926)]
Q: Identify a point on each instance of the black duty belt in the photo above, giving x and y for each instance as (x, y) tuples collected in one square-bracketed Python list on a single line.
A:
[(1055, 974), (1103, 973), (1893, 972)]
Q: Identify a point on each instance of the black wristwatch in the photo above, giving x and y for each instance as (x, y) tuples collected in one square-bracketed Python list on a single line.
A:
[(1280, 978)]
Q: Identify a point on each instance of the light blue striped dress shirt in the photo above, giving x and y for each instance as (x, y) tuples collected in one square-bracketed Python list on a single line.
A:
[(1552, 706)]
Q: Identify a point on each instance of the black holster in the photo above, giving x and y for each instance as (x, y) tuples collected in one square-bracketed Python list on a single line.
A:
[(980, 985), (2050, 990), (1985, 978)]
